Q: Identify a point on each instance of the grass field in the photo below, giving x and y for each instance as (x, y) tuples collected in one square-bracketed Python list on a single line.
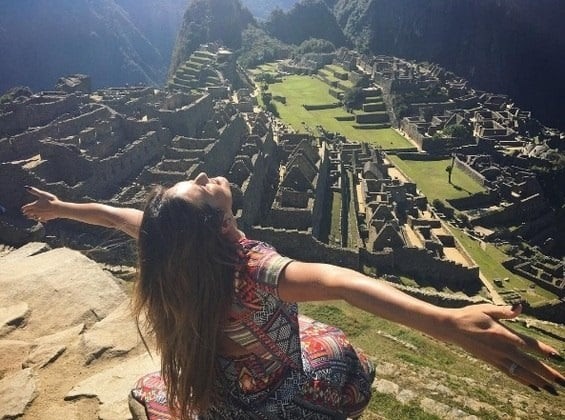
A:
[(300, 90), (489, 258), (432, 179), (422, 365)]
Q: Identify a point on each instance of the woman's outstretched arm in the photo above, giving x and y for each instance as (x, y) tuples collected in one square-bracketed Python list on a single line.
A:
[(475, 328), (48, 207)]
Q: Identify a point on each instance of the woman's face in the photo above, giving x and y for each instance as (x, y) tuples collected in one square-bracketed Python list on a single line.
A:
[(215, 192)]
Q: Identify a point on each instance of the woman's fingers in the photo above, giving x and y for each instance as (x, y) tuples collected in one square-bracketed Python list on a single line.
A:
[(532, 368), (39, 193), (502, 312), (489, 340), (518, 339), (39, 209)]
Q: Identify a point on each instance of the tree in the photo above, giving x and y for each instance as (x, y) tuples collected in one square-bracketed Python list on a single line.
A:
[(449, 169), (315, 45), (458, 131), (353, 98)]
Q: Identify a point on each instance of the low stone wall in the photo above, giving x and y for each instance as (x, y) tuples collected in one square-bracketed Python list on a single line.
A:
[(421, 264), (381, 117), (474, 201), (320, 107), (304, 247), (30, 114), (527, 209), (470, 171), (188, 121), (554, 312)]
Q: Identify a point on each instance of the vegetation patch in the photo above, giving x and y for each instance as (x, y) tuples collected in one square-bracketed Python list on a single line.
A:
[(433, 179), (388, 407), (489, 258), (296, 88)]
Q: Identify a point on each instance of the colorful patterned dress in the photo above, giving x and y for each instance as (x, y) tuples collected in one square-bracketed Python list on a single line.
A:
[(296, 368)]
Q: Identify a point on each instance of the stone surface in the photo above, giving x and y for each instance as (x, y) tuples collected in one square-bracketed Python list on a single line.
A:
[(386, 387), (386, 369), (111, 386), (75, 309), (434, 407), (28, 250), (17, 391), (12, 317), (63, 288), (13, 354), (62, 337), (43, 355), (406, 396), (115, 335)]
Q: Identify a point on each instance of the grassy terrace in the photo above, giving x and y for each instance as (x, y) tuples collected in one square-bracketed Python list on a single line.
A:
[(489, 258), (299, 90), (432, 179), (420, 364)]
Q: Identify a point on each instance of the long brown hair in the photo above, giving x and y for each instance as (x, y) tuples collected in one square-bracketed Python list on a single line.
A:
[(184, 291)]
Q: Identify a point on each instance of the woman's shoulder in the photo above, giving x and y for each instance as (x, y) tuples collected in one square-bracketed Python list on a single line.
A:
[(262, 262), (249, 245)]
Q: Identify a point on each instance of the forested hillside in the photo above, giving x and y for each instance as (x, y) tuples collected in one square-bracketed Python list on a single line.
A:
[(210, 21), (515, 47), (261, 9), (114, 41)]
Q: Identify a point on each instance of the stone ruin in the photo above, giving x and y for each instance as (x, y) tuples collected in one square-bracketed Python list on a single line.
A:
[(112, 145)]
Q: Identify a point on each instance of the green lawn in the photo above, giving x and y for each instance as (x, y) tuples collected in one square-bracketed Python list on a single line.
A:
[(335, 229), (432, 179), (489, 258), (264, 68), (421, 362), (299, 90)]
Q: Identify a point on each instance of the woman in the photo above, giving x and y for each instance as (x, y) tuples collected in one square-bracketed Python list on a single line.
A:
[(223, 311)]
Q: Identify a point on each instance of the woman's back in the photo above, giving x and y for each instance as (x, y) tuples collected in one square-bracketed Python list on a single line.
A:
[(277, 364)]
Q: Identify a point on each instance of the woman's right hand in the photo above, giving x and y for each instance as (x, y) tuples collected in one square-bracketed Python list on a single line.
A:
[(44, 208)]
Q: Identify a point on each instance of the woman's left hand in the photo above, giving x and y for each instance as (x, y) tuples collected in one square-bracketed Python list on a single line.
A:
[(477, 329)]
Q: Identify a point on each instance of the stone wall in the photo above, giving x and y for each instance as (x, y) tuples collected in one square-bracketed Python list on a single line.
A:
[(190, 119), (474, 201), (527, 209), (37, 111), (290, 217), (554, 312), (480, 179), (421, 264), (128, 163), (304, 247), (220, 157), (322, 193), (265, 164)]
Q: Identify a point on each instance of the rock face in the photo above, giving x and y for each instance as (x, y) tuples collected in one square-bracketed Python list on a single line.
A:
[(70, 341)]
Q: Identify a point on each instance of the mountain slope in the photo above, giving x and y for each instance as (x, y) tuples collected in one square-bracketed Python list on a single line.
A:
[(261, 9), (210, 21), (508, 46), (307, 19), (42, 40)]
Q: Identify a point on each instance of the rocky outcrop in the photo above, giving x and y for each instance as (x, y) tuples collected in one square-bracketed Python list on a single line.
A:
[(68, 340)]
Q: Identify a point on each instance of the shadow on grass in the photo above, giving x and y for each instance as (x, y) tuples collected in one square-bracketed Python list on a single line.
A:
[(458, 188)]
